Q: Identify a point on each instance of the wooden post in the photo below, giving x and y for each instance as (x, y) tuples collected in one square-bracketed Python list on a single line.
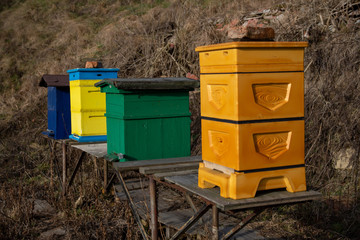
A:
[(96, 167), (215, 222), (64, 168), (52, 158), (105, 174)]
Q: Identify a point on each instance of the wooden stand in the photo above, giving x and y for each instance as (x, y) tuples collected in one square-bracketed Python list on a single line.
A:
[(95, 150), (187, 182)]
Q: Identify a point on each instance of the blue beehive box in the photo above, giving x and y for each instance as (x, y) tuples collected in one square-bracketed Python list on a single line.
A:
[(59, 118)]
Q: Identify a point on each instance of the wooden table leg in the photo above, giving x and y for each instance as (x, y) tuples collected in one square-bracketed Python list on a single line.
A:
[(105, 174), (64, 168), (96, 167), (52, 159)]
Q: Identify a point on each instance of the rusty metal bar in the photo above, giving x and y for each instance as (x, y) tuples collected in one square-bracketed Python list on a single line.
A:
[(77, 166), (167, 233), (192, 205), (170, 185), (64, 168), (243, 223), (154, 209), (132, 206), (191, 222), (215, 222)]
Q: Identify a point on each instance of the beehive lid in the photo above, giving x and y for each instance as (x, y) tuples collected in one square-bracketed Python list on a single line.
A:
[(48, 80), (253, 44), (150, 83), (93, 70)]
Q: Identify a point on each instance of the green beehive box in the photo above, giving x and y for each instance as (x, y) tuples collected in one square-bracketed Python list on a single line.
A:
[(147, 118)]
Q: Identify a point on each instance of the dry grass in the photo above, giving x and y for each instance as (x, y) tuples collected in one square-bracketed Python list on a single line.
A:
[(148, 38)]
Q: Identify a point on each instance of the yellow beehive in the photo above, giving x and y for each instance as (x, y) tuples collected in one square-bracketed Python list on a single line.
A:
[(252, 108), (87, 103), (251, 96), (87, 108)]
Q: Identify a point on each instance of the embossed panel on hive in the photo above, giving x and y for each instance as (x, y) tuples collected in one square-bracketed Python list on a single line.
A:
[(271, 96), (272, 145), (217, 94), (219, 142)]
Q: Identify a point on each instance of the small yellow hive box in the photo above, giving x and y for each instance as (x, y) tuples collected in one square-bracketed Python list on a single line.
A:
[(87, 103), (252, 108), (235, 57)]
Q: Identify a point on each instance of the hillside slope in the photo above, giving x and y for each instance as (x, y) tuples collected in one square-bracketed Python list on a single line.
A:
[(154, 38)]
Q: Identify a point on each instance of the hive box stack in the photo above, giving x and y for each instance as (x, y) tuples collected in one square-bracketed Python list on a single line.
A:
[(88, 122), (252, 107), (147, 118), (58, 103)]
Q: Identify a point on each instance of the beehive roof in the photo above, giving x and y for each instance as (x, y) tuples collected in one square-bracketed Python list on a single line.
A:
[(49, 80), (150, 83)]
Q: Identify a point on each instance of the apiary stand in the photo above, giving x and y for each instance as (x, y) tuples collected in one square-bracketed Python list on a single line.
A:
[(172, 173), (212, 198), (180, 163), (95, 150)]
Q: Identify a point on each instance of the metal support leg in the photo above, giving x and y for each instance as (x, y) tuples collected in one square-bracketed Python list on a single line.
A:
[(192, 205), (167, 233), (191, 222), (215, 222), (243, 223), (154, 209), (64, 168), (132, 205)]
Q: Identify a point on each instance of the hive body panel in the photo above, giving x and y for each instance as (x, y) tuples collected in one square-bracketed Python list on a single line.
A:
[(252, 96), (253, 146), (59, 119)]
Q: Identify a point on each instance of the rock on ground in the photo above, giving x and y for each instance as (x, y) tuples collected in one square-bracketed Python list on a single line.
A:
[(52, 234)]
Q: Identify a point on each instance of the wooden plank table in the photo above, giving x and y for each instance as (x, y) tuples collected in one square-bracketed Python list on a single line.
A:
[(135, 165), (263, 198), (212, 199), (146, 166), (98, 150)]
